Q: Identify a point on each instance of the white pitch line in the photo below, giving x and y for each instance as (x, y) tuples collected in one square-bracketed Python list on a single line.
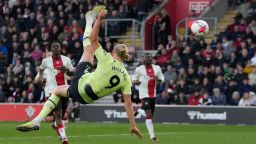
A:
[(79, 136)]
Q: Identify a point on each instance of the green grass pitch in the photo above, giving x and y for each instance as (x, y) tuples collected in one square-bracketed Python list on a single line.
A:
[(97, 133)]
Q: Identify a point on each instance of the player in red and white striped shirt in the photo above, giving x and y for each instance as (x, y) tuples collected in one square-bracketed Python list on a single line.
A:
[(147, 76), (55, 70)]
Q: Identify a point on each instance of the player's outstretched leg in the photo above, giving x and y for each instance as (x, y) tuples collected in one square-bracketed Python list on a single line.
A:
[(50, 104), (90, 17)]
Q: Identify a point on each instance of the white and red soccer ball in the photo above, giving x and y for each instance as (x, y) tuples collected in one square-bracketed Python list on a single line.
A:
[(200, 28)]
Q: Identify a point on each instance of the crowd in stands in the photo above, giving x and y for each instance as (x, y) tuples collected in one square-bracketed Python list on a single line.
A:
[(28, 27), (195, 73), (219, 73)]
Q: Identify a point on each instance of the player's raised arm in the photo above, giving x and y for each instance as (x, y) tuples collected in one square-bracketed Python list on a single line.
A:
[(129, 111), (96, 28)]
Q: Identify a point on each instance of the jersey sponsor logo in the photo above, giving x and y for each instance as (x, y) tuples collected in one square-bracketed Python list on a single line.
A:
[(110, 113), (197, 115)]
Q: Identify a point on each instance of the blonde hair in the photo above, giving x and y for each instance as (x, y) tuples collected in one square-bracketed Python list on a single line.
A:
[(122, 51)]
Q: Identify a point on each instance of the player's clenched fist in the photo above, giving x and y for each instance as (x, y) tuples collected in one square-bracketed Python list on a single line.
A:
[(136, 131)]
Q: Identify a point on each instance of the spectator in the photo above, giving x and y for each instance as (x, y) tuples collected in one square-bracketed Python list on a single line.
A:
[(240, 75), (180, 99), (185, 55), (231, 89), (244, 87), (75, 28), (253, 97), (24, 98), (170, 74), (17, 68), (252, 77), (182, 74), (205, 100), (113, 26), (235, 98), (163, 58), (246, 100), (182, 87), (16, 95), (219, 83), (171, 89), (206, 86), (3, 62), (36, 53), (162, 27), (163, 98), (194, 99), (218, 98), (197, 86), (174, 58), (190, 78)]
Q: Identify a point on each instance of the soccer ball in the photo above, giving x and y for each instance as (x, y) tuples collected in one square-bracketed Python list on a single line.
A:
[(200, 28)]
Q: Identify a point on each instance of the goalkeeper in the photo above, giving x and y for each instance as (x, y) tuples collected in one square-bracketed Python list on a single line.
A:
[(87, 86)]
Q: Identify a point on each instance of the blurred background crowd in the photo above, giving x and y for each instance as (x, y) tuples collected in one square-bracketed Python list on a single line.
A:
[(219, 73), (195, 73), (28, 27)]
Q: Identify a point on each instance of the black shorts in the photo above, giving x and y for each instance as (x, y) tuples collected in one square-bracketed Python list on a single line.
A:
[(148, 104), (81, 69)]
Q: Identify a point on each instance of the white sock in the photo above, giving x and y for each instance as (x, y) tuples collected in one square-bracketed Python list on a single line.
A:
[(141, 112), (88, 27), (62, 132), (150, 128), (38, 119), (49, 105)]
